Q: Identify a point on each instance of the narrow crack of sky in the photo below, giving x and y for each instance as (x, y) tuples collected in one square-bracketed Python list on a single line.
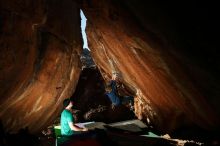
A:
[(83, 27)]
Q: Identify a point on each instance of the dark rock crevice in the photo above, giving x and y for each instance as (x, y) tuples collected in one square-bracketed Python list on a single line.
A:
[(90, 99)]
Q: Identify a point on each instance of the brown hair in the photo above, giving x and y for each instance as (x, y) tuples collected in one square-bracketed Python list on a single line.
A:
[(108, 88)]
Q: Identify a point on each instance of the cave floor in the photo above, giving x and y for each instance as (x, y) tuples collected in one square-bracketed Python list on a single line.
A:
[(124, 133)]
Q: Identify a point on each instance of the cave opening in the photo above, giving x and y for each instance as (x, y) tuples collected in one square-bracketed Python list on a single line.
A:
[(86, 58), (83, 30)]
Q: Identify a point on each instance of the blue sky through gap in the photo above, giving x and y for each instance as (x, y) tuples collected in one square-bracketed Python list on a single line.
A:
[(83, 27)]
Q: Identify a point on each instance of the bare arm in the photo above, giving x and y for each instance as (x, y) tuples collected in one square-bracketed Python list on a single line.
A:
[(76, 128)]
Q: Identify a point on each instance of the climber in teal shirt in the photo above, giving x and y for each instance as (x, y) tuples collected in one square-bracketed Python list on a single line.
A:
[(67, 120)]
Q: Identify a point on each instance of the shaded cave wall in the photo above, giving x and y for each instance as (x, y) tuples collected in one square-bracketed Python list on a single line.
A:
[(40, 66), (147, 44)]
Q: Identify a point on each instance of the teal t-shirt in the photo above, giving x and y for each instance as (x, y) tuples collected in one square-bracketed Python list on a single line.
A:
[(66, 116)]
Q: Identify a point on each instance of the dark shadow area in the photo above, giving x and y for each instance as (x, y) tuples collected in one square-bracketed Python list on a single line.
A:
[(91, 102), (100, 137), (195, 133), (90, 90), (23, 137)]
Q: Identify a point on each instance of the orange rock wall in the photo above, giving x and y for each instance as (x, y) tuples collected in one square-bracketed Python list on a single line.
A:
[(166, 97), (39, 49)]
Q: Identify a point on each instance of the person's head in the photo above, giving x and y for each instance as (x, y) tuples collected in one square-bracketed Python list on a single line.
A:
[(108, 88), (67, 103)]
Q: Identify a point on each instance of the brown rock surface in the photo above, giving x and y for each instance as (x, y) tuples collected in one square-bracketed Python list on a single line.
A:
[(39, 64), (166, 95)]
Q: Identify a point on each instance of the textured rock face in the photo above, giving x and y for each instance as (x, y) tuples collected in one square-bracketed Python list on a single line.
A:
[(39, 67), (123, 38)]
